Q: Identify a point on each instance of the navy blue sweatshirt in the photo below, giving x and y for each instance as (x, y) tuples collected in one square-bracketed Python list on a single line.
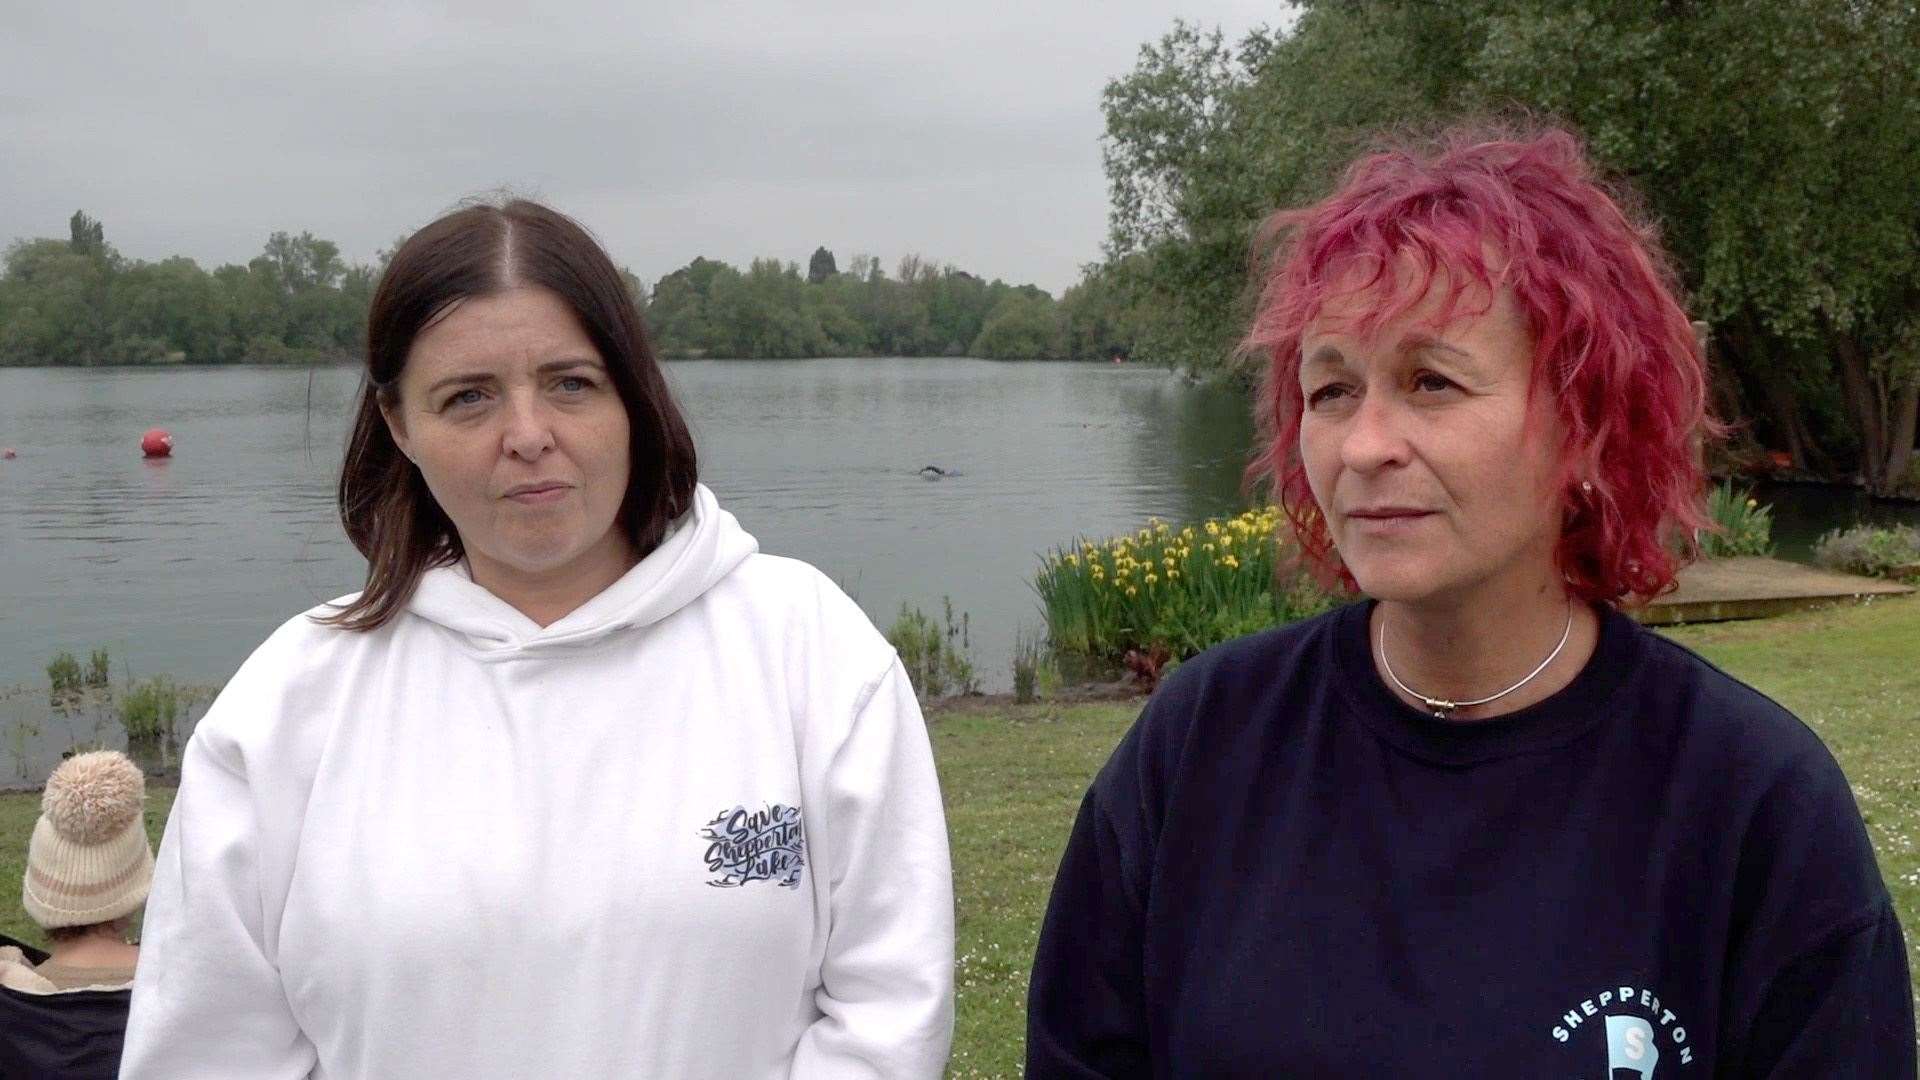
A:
[(1284, 871)]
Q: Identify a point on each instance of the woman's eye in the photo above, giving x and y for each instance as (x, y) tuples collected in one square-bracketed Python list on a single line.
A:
[(1429, 382), (466, 397), (574, 384), (1325, 394)]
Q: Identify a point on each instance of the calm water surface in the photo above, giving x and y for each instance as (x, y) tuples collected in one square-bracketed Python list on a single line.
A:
[(182, 567)]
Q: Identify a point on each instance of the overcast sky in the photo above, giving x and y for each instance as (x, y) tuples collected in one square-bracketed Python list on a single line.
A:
[(967, 132)]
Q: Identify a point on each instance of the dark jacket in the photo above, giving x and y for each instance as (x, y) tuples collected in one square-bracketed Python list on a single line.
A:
[(72, 1035)]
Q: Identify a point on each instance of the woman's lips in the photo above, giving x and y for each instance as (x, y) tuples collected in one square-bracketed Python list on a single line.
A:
[(544, 493), (1387, 521)]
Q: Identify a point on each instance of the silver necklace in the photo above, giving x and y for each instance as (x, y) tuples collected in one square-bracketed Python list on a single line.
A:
[(1444, 709)]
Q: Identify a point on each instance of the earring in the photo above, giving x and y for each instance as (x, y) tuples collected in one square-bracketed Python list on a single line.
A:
[(1586, 487)]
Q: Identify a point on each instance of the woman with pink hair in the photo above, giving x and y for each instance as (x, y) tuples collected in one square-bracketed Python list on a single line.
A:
[(1479, 823)]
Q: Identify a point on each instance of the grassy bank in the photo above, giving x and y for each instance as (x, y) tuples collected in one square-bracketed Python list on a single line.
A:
[(1013, 777)]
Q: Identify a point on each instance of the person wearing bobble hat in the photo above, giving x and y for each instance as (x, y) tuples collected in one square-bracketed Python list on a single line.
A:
[(581, 784), (63, 1012)]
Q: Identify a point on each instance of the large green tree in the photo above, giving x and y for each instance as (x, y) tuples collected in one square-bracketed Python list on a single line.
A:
[(1022, 326), (1773, 141), (821, 266)]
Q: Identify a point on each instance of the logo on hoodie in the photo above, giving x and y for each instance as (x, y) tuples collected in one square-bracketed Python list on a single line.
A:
[(756, 845)]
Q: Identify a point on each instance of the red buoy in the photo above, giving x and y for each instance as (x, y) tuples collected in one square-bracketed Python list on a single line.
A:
[(156, 443)]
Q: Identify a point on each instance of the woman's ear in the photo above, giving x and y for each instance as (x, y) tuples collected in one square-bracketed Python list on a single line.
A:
[(396, 427)]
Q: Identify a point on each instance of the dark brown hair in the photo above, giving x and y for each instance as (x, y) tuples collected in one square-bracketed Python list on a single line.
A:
[(477, 251), (115, 928)]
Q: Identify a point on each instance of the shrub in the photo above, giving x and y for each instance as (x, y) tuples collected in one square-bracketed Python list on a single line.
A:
[(1743, 524), (99, 670), (1183, 589), (63, 672), (1876, 551), (1028, 659), (938, 662), (149, 709)]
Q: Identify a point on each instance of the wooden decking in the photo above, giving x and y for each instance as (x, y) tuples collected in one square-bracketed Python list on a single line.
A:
[(1751, 588)]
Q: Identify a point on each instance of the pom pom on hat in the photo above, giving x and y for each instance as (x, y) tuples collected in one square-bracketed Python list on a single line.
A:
[(91, 797)]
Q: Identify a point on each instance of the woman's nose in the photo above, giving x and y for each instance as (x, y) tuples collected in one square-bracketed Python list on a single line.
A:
[(1374, 437), (529, 427)]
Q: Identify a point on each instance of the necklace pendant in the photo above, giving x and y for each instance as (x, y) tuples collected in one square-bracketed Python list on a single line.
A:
[(1442, 710)]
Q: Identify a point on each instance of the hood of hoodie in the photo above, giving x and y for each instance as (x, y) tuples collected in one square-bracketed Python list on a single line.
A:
[(701, 548)]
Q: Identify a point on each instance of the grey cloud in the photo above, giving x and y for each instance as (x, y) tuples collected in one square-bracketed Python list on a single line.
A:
[(968, 133)]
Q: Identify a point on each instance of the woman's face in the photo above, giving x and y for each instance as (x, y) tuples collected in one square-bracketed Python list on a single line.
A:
[(506, 407), (1418, 451)]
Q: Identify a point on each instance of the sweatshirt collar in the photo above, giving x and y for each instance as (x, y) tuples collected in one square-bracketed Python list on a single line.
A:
[(1555, 721), (702, 547)]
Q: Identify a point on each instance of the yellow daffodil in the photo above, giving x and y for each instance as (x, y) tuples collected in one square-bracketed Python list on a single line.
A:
[(1131, 590)]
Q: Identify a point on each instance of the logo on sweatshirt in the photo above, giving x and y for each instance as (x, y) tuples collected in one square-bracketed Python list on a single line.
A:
[(756, 845), (1639, 1032)]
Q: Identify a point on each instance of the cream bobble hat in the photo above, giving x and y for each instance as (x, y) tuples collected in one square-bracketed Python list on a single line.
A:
[(89, 861)]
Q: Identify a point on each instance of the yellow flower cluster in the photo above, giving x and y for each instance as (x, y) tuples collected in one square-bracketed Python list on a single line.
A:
[(1160, 555)]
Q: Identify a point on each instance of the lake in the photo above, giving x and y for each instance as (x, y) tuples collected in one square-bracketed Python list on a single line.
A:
[(181, 567)]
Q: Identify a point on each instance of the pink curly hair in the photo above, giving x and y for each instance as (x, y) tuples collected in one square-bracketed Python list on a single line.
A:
[(1614, 353)]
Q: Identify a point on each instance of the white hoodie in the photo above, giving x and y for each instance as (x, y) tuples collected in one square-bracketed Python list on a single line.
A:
[(690, 830)]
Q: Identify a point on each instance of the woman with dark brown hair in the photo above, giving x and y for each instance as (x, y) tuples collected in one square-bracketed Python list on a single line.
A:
[(580, 784)]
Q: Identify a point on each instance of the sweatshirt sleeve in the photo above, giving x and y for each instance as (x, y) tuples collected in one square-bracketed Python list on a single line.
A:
[(1817, 981), (207, 999), (1086, 1013), (1842, 1009), (887, 977)]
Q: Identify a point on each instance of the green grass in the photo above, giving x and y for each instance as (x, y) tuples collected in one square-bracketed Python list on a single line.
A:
[(1013, 777)]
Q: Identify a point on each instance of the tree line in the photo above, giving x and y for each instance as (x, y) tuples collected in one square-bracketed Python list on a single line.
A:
[(1774, 142), (80, 302), (771, 309)]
